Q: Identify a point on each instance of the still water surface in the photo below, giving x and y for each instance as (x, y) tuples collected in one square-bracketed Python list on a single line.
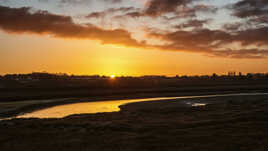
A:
[(61, 111)]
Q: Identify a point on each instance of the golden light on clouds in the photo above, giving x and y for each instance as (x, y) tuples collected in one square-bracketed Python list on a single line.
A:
[(131, 40)]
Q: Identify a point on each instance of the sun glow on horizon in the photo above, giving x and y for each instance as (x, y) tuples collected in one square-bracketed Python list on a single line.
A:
[(112, 76)]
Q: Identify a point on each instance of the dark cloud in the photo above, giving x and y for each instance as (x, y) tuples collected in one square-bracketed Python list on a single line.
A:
[(24, 20), (253, 41), (134, 14), (253, 36), (232, 27), (260, 20), (242, 53), (254, 21), (158, 7), (194, 23), (205, 8), (111, 11), (214, 42), (198, 40), (250, 8)]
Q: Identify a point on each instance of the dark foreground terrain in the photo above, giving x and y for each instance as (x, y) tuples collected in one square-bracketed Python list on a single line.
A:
[(237, 123)]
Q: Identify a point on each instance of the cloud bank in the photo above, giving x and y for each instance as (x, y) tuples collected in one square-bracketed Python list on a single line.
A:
[(177, 25)]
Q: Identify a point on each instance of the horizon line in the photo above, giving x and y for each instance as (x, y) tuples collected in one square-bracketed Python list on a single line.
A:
[(145, 75)]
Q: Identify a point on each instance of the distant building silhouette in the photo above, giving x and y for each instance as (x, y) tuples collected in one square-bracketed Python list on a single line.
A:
[(231, 73)]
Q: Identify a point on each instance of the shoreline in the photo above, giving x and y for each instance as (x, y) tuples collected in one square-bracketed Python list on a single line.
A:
[(43, 104)]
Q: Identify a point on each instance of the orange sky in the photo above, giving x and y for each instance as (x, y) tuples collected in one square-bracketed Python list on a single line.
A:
[(137, 37), (44, 53)]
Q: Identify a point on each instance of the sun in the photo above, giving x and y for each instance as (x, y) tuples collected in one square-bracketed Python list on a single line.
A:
[(112, 76)]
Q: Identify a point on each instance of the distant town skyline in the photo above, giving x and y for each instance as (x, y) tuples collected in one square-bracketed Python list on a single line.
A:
[(230, 74)]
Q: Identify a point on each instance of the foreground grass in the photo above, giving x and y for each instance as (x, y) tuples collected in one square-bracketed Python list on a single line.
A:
[(226, 123)]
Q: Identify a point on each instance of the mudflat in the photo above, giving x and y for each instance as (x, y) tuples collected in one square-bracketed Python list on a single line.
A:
[(224, 123)]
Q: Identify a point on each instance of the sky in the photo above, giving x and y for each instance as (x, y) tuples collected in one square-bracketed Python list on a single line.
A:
[(133, 37)]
